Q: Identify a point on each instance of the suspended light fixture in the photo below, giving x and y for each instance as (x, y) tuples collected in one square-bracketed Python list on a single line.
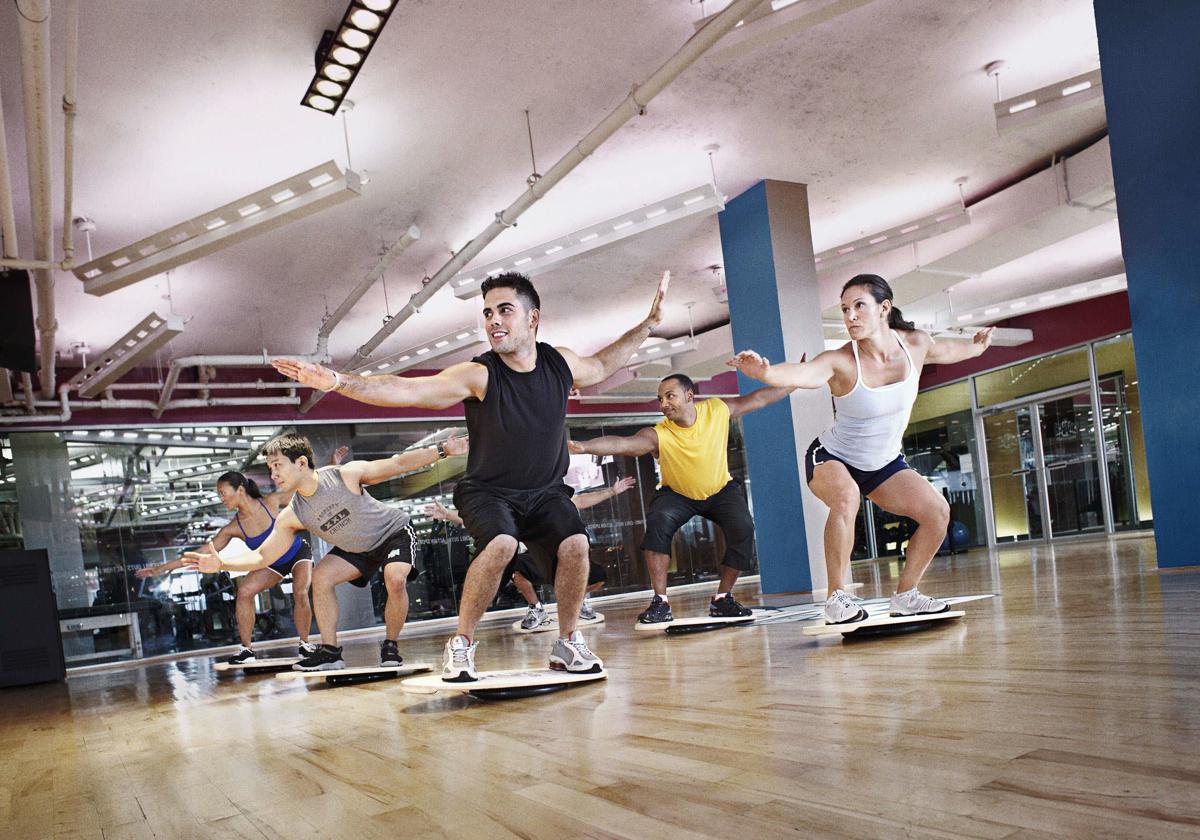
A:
[(946, 219), (293, 198), (137, 345), (704, 200), (422, 354), (1083, 91), (342, 51)]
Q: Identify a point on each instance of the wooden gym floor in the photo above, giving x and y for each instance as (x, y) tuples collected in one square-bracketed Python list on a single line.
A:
[(1067, 707)]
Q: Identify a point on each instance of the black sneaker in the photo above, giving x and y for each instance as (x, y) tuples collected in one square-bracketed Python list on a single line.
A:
[(307, 649), (728, 608), (389, 654), (325, 658), (243, 657), (659, 612)]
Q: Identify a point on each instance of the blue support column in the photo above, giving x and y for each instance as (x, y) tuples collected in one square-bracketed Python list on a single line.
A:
[(773, 306), (1151, 70)]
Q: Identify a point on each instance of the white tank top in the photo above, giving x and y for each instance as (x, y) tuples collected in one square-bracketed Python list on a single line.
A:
[(869, 423)]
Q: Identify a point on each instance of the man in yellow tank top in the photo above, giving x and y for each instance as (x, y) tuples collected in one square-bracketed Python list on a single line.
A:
[(691, 445)]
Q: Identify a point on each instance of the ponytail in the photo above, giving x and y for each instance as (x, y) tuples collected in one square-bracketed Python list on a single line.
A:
[(881, 291), (236, 480), (896, 320)]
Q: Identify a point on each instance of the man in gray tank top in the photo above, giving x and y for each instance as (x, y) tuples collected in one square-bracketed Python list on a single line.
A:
[(516, 403), (366, 535)]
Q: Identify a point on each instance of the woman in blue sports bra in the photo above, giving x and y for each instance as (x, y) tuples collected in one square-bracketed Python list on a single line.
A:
[(254, 517), (873, 379)]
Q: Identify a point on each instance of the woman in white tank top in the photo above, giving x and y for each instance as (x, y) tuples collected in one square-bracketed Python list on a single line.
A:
[(873, 379)]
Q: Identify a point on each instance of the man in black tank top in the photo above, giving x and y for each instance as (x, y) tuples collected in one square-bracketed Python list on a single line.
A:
[(515, 399)]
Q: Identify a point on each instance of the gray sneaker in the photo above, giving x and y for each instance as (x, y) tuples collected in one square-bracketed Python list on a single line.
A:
[(573, 655), (535, 617), (586, 613), (459, 665)]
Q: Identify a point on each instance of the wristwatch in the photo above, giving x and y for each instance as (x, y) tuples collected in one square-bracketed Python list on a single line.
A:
[(441, 448)]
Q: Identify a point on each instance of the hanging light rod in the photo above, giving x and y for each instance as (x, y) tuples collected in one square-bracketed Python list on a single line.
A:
[(700, 201), (342, 51), (421, 354), (1078, 92), (292, 198), (941, 221)]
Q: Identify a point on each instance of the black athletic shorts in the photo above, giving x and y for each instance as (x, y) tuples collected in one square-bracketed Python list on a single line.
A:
[(867, 480), (284, 567), (534, 569), (727, 508), (397, 548), (542, 519)]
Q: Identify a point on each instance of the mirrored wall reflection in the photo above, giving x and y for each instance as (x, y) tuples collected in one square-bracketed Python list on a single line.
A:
[(115, 508)]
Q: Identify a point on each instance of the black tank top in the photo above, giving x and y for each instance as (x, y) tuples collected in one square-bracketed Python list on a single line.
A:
[(518, 430)]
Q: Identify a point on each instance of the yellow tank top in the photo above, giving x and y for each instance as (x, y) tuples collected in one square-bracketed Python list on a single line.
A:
[(695, 460)]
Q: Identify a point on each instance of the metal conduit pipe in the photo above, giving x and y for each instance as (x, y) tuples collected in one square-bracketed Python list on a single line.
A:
[(70, 75), (178, 365), (8, 218), (34, 30), (65, 406), (334, 318), (634, 104)]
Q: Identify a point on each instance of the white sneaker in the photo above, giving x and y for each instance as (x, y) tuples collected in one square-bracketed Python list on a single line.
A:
[(534, 617), (308, 649), (459, 665), (573, 655), (913, 602), (839, 609), (586, 613)]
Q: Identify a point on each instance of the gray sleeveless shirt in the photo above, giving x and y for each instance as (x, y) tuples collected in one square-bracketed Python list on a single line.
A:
[(346, 520)]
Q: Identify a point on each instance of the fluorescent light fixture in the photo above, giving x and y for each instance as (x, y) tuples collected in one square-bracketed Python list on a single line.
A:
[(658, 350), (137, 345), (342, 51), (1075, 93), (701, 201), (443, 345), (313, 190), (942, 221), (993, 311), (202, 469)]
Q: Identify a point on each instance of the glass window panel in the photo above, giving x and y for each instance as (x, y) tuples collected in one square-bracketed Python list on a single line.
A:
[(1123, 442), (1032, 377)]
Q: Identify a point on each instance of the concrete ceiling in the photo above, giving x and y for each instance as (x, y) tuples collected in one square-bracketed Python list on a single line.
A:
[(185, 106)]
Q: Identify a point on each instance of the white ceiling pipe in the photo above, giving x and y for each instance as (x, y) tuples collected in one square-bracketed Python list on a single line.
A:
[(634, 104), (65, 405), (70, 73), (34, 29), (257, 385), (334, 318), (8, 218), (177, 366)]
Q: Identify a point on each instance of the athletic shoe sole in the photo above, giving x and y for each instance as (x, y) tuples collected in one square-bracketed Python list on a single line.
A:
[(324, 666), (945, 608), (863, 615), (558, 666)]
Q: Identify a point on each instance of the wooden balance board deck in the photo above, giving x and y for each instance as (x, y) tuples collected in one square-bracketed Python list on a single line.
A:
[(873, 606), (352, 676), (552, 624), (501, 685), (880, 624), (695, 624), (267, 664)]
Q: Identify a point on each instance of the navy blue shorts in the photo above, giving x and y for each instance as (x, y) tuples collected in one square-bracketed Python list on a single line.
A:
[(283, 567), (867, 480)]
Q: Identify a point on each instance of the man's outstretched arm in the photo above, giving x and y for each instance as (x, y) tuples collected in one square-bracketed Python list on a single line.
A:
[(645, 442), (441, 390), (589, 370)]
